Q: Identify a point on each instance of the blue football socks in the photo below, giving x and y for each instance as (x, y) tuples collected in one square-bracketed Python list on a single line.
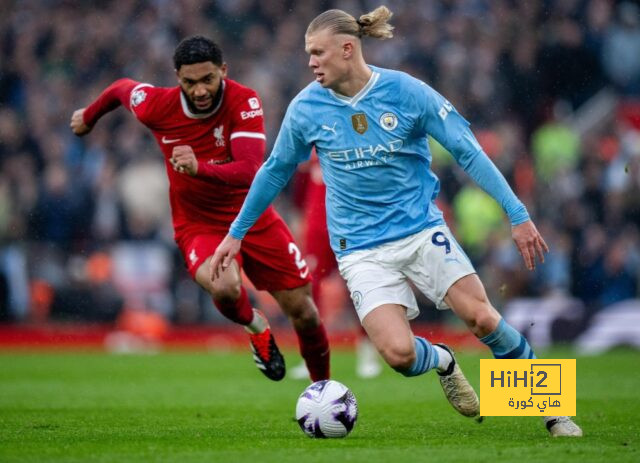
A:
[(426, 358), (507, 343)]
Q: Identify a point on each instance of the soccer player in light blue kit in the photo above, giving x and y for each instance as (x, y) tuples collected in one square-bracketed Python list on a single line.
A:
[(369, 126)]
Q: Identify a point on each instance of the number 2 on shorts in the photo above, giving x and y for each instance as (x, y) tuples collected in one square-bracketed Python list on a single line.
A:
[(300, 262)]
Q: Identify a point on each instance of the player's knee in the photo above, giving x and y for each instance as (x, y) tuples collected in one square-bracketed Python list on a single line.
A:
[(225, 292), (485, 321), (399, 356)]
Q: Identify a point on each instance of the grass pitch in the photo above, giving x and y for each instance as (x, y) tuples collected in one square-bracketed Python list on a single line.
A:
[(216, 407)]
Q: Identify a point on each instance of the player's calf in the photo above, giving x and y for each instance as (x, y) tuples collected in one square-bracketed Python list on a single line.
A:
[(312, 337)]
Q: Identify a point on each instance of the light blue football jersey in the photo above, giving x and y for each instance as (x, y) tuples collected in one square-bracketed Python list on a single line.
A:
[(375, 160)]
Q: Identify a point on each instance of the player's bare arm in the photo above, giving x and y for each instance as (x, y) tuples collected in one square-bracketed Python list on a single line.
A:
[(77, 123), (224, 255), (529, 242), (184, 160)]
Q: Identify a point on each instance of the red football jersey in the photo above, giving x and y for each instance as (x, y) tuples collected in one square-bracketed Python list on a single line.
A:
[(214, 196)]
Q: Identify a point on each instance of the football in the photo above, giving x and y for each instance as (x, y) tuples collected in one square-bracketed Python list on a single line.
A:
[(327, 409)]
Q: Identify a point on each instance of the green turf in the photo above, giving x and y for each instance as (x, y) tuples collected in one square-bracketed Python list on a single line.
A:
[(199, 407)]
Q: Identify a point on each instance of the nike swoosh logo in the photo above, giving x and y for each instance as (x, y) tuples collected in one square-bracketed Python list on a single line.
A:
[(166, 140)]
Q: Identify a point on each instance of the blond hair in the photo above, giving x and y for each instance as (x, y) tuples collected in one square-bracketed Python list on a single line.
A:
[(373, 24)]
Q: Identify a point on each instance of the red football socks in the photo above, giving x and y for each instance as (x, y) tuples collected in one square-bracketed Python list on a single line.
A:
[(239, 311), (314, 348)]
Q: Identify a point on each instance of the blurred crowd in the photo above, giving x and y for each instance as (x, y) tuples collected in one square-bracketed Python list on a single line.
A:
[(85, 224)]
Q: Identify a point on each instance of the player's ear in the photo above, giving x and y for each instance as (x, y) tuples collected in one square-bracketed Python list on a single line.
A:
[(347, 49), (223, 70), (177, 75)]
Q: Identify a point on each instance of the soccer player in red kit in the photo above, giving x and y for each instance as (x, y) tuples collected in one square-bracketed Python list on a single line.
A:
[(210, 130)]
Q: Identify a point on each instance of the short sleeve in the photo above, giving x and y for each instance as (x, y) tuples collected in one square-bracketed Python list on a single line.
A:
[(248, 117), (141, 102)]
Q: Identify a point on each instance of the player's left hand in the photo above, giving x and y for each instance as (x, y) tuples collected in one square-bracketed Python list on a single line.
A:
[(224, 255), (184, 160), (529, 243)]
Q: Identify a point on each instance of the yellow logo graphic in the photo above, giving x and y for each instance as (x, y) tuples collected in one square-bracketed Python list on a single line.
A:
[(359, 122), (539, 387)]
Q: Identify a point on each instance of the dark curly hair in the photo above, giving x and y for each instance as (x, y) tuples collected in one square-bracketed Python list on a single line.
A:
[(197, 49)]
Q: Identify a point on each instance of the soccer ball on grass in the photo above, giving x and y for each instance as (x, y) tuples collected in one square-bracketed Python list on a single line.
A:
[(327, 409)]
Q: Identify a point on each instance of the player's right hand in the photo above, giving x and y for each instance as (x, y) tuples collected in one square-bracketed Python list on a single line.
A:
[(183, 159), (77, 123), (224, 255)]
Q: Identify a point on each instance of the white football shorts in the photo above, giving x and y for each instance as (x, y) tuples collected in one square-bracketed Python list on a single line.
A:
[(432, 259)]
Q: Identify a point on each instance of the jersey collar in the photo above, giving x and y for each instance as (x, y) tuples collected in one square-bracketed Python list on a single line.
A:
[(353, 100), (189, 114)]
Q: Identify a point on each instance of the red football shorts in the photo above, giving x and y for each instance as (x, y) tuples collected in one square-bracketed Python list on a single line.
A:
[(269, 255)]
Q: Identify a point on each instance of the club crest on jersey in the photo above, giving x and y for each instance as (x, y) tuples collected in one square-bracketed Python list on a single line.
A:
[(217, 133), (389, 121), (138, 97), (359, 122)]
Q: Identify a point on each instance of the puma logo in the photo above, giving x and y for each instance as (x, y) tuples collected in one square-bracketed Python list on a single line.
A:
[(330, 129)]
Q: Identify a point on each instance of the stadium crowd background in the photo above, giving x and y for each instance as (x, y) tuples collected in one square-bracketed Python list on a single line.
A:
[(551, 88)]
